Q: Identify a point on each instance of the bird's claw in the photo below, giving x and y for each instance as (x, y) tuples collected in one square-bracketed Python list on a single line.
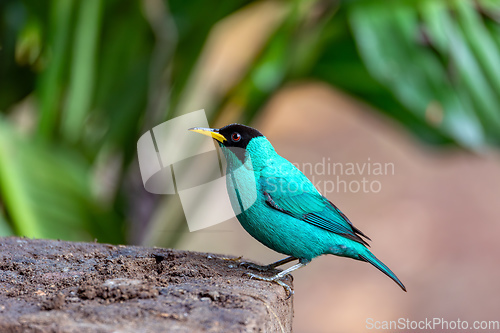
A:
[(253, 266), (276, 279), (258, 277), (289, 291), (231, 259)]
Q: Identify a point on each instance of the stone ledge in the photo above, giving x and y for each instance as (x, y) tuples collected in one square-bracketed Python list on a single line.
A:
[(57, 286)]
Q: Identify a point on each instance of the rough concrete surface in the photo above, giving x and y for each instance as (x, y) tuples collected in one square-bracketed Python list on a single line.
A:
[(57, 286)]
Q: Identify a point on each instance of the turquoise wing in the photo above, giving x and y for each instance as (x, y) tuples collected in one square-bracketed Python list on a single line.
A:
[(286, 189)]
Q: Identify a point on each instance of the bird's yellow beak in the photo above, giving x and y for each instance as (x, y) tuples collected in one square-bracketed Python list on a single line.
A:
[(212, 132)]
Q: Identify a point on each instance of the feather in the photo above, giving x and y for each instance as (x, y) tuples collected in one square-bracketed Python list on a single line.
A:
[(287, 190)]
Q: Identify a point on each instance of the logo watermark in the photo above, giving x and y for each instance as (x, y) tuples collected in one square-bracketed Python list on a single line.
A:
[(431, 324), (173, 160)]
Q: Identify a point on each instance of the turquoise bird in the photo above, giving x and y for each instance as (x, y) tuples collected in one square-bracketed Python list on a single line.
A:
[(277, 205)]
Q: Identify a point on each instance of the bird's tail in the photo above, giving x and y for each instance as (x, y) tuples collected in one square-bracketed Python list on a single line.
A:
[(369, 257)]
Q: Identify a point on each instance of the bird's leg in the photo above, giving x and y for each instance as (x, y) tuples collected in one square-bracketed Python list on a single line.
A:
[(276, 278), (266, 268)]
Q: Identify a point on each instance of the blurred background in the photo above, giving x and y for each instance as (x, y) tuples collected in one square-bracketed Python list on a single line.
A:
[(411, 83)]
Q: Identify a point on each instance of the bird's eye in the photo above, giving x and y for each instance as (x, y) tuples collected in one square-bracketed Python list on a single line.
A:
[(235, 137)]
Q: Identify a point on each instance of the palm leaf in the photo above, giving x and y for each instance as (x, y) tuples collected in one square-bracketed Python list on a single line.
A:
[(438, 60)]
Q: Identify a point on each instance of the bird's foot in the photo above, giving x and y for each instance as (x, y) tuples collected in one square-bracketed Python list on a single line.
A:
[(256, 267), (276, 279), (228, 259)]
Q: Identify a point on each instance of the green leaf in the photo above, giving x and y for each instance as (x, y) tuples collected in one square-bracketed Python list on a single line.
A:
[(83, 68), (47, 193), (51, 80), (5, 229), (434, 63)]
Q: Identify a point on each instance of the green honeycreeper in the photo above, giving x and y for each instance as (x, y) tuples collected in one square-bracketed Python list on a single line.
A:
[(289, 215)]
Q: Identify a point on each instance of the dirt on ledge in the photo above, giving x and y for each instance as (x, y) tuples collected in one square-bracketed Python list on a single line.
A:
[(57, 286)]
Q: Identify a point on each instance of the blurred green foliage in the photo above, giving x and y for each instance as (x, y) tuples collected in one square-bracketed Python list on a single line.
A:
[(80, 81)]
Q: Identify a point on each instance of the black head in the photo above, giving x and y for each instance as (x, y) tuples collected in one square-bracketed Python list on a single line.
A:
[(234, 135), (238, 135)]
